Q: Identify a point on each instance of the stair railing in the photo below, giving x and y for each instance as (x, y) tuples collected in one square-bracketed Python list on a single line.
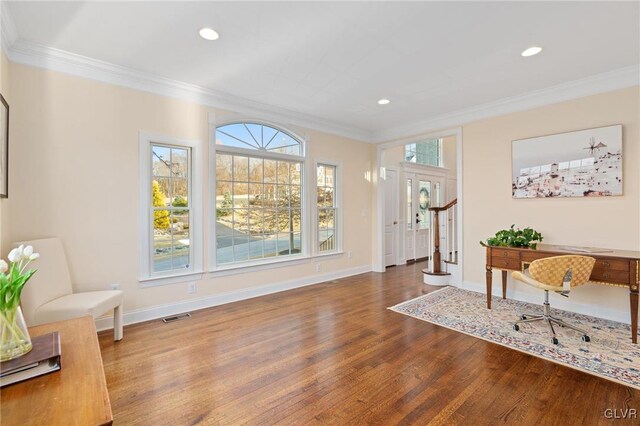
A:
[(327, 244), (449, 218)]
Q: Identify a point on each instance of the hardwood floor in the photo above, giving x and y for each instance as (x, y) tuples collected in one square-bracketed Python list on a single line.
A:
[(333, 353)]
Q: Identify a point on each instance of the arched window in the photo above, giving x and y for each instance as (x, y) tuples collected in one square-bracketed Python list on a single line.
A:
[(259, 191), (258, 136)]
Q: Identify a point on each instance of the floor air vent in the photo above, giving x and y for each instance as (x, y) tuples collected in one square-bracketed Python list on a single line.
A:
[(176, 318)]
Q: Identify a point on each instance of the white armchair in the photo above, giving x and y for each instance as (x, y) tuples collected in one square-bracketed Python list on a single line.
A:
[(49, 296)]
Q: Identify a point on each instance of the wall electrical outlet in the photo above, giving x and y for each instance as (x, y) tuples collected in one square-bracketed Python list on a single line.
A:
[(115, 286), (192, 288), (318, 267), (349, 254)]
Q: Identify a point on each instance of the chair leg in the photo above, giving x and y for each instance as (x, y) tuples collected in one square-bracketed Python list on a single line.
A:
[(530, 318), (567, 325), (550, 320), (553, 332), (117, 323)]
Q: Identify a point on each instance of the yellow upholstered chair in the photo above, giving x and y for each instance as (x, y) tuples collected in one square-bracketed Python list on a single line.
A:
[(559, 274)]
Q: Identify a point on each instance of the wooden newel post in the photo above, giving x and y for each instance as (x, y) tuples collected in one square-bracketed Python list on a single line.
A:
[(436, 242), (436, 234)]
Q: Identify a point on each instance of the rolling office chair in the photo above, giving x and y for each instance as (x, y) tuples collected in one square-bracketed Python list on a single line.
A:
[(559, 274)]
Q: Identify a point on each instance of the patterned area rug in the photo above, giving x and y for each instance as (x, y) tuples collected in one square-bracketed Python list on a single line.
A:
[(610, 353)]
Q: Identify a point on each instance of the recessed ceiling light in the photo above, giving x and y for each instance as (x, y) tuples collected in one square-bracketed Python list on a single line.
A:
[(533, 50), (383, 101), (208, 34)]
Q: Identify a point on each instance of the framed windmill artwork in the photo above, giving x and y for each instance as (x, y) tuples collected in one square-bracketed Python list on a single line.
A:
[(584, 163)]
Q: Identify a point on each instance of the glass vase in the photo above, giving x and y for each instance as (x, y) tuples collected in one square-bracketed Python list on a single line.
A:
[(14, 337)]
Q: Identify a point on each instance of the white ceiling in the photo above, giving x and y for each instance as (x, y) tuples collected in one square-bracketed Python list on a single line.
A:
[(334, 60)]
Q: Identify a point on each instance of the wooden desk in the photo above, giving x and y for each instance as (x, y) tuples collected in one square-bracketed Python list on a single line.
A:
[(617, 268), (75, 395)]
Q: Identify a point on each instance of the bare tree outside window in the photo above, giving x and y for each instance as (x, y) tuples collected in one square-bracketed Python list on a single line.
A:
[(258, 194)]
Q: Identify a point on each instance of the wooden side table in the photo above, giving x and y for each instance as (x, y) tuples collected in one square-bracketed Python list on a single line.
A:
[(75, 395)]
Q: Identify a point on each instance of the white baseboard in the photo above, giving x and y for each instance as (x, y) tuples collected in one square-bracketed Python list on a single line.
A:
[(436, 280), (160, 311), (561, 303), (455, 271)]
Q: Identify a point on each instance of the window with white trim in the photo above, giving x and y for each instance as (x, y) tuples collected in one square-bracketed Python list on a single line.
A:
[(327, 208), (170, 208), (427, 152), (259, 192), (171, 240)]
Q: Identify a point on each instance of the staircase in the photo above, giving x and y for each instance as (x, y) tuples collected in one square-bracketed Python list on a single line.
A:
[(439, 271)]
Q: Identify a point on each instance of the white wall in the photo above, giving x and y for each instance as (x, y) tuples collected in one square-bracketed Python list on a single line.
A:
[(74, 174), (602, 221)]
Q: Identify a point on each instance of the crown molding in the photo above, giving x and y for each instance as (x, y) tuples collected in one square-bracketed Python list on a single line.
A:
[(599, 83), (28, 53), (8, 31), (36, 55)]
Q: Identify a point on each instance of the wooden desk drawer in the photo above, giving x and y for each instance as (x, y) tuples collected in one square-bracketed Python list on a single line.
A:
[(502, 254), (505, 263), (531, 255), (610, 276), (613, 264)]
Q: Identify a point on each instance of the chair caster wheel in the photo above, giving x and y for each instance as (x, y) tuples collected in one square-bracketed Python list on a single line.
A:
[(586, 338), (554, 341), (516, 327), (524, 317)]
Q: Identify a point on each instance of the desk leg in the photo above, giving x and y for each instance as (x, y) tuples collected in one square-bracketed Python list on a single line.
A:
[(504, 284), (633, 299), (489, 277)]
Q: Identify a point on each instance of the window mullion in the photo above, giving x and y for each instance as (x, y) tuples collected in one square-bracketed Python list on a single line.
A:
[(273, 208), (327, 174), (175, 168)]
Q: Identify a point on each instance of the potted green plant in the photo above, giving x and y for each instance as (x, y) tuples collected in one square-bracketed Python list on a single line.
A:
[(511, 237)]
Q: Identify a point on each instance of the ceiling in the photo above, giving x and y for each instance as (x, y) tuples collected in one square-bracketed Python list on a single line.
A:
[(334, 60)]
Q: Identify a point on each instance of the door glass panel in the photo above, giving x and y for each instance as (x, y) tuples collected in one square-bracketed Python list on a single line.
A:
[(409, 205), (424, 202)]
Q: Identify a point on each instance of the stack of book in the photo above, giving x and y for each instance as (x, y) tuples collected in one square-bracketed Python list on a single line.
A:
[(44, 358)]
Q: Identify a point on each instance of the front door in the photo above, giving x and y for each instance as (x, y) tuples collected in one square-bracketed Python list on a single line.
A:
[(422, 191)]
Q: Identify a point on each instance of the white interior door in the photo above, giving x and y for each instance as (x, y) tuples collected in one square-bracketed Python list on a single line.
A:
[(422, 191), (391, 217)]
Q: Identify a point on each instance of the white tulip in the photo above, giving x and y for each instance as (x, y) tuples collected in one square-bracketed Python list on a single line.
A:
[(27, 252), (3, 266), (34, 256), (14, 255)]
